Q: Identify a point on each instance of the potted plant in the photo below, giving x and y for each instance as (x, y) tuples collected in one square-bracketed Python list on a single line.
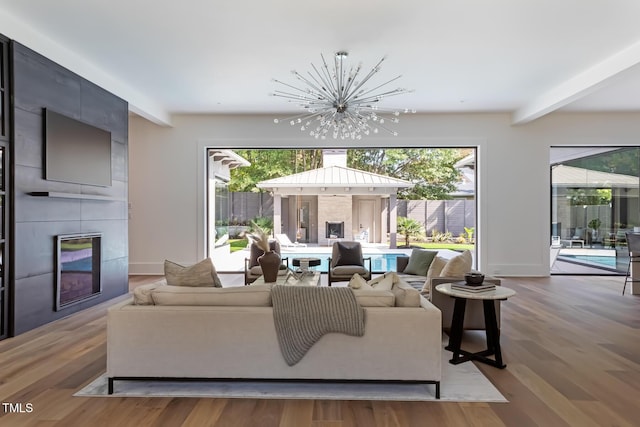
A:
[(594, 225)]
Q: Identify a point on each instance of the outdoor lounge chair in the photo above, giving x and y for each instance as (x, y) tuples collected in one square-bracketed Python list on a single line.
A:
[(347, 260), (285, 242), (633, 241), (252, 269)]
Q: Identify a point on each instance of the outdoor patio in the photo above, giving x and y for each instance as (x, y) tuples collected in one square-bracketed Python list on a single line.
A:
[(383, 258)]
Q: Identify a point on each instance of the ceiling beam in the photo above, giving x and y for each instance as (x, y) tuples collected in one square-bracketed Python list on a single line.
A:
[(579, 86)]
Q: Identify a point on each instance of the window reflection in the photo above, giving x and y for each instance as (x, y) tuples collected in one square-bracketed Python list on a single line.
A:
[(595, 202)]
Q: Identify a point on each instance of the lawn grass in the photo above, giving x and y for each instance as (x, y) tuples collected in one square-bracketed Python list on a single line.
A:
[(442, 245), (237, 244)]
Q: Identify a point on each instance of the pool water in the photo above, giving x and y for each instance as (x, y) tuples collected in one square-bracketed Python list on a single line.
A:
[(379, 262), (601, 261)]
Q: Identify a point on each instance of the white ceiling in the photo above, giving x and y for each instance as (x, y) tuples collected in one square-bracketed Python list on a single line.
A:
[(527, 57)]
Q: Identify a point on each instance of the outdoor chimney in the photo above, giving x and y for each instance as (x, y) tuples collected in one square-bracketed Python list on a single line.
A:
[(334, 157)]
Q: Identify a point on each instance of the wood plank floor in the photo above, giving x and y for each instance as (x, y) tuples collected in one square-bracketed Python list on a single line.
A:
[(572, 346)]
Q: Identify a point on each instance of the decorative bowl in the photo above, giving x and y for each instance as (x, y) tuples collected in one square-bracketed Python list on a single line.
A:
[(474, 279)]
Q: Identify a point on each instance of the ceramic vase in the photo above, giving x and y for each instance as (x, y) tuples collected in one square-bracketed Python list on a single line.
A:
[(270, 264)]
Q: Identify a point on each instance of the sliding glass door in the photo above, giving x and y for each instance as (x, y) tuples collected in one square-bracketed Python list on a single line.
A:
[(594, 203)]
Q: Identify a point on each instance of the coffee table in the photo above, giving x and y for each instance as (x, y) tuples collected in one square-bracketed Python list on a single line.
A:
[(488, 298), (311, 262), (312, 278)]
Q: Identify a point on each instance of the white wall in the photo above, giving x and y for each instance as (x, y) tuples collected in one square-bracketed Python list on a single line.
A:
[(166, 183)]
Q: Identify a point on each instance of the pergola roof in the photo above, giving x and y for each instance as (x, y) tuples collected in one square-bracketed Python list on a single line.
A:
[(229, 158), (334, 180), (569, 176)]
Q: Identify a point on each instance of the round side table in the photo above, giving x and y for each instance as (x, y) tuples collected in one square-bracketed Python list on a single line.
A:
[(488, 298)]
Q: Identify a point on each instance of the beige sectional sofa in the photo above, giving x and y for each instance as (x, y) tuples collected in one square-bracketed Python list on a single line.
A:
[(229, 333)]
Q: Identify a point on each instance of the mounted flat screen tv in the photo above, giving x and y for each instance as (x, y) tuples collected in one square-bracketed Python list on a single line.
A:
[(76, 152)]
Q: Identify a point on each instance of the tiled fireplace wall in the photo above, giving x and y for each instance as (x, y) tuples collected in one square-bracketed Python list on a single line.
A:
[(40, 83)]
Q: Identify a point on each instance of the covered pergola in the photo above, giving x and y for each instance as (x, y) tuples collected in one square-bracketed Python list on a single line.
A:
[(341, 194)]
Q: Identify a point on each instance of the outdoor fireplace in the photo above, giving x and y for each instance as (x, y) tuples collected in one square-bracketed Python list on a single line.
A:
[(78, 260), (334, 229)]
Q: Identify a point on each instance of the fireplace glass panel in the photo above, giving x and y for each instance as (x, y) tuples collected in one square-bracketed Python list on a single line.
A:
[(78, 275), (334, 229)]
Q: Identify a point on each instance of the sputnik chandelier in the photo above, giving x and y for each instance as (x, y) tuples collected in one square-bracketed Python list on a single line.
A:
[(337, 104)]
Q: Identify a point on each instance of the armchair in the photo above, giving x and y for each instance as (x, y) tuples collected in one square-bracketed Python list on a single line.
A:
[(252, 269), (347, 260)]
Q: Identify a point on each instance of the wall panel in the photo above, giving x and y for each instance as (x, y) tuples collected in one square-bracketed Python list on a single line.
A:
[(41, 83)]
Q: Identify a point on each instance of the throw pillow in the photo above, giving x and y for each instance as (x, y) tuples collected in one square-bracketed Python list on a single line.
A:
[(406, 295), (358, 282), (384, 282), (435, 269), (200, 274), (142, 294), (419, 262), (458, 265), (349, 253)]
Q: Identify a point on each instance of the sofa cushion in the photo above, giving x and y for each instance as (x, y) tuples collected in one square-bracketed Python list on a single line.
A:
[(349, 270), (405, 295), (384, 282), (142, 294), (419, 261), (374, 298), (254, 295), (458, 265), (359, 282), (435, 269), (200, 274)]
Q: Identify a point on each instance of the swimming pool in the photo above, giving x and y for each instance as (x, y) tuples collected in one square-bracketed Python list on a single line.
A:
[(594, 260), (379, 262)]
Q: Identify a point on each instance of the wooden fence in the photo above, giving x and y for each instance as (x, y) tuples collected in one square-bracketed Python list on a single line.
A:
[(440, 215)]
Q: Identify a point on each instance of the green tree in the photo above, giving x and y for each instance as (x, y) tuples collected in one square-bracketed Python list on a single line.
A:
[(409, 228), (269, 164), (431, 170), (624, 161)]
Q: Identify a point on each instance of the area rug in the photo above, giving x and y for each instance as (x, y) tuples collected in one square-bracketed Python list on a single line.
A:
[(460, 383)]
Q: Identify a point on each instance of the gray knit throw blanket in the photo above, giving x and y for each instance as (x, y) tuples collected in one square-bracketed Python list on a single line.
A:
[(303, 314)]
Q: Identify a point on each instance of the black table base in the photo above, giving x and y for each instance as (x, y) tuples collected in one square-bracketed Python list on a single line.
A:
[(493, 336)]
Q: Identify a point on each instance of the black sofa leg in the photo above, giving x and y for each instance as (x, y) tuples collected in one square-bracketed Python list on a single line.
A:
[(110, 385), (437, 389)]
